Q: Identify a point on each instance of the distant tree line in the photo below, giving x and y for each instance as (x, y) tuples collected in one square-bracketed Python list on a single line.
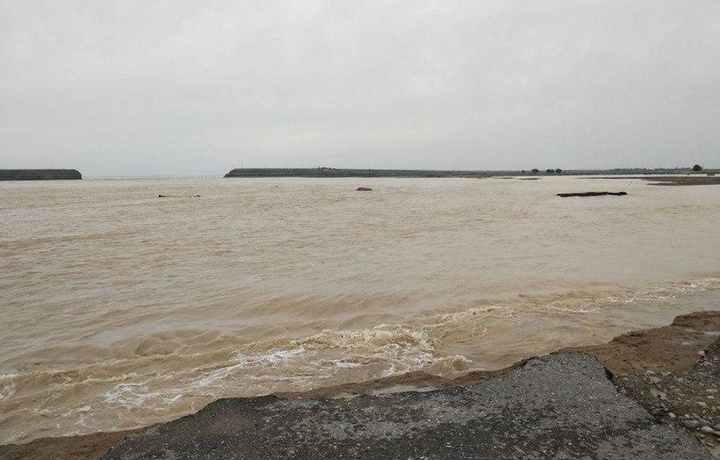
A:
[(549, 171), (696, 168)]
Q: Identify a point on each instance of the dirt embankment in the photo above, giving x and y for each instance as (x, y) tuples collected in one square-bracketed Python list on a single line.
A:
[(672, 371)]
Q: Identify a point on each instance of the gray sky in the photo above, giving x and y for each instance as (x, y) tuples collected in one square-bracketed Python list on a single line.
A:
[(199, 87)]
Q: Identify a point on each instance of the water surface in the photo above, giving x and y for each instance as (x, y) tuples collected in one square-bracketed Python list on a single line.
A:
[(120, 309)]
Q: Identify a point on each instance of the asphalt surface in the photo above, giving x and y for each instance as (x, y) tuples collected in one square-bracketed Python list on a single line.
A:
[(561, 406)]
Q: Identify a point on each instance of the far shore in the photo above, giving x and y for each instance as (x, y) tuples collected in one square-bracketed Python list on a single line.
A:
[(323, 172), (663, 176), (670, 371), (684, 180), (39, 174)]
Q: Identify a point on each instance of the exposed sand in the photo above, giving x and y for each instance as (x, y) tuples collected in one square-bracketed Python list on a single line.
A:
[(684, 180), (695, 179)]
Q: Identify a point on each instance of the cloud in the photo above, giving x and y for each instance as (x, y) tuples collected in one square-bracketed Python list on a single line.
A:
[(131, 87)]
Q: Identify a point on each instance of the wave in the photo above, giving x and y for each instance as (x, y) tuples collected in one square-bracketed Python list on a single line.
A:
[(157, 377)]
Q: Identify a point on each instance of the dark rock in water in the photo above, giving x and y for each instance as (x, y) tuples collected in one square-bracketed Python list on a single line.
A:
[(40, 174), (565, 195), (560, 406), (364, 189)]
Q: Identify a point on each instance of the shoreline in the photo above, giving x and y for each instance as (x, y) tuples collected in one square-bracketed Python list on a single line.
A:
[(671, 371), (676, 180)]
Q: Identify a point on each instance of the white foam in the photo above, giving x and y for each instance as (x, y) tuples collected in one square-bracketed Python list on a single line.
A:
[(345, 364), (275, 357), (394, 348), (128, 394), (215, 376), (7, 390), (247, 361), (133, 395)]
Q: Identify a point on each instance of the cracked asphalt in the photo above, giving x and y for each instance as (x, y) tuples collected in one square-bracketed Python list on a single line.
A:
[(562, 406)]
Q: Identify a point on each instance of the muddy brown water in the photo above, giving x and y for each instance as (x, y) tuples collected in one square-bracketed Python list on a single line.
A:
[(121, 309)]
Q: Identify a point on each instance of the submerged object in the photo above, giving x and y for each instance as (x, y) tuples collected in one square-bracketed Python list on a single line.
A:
[(565, 195)]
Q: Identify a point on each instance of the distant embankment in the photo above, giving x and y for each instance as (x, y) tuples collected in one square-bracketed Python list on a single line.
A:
[(332, 172), (39, 174)]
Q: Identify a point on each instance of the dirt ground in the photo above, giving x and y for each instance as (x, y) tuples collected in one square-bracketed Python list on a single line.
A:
[(672, 371)]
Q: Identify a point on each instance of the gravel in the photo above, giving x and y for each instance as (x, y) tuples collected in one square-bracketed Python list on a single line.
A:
[(562, 406)]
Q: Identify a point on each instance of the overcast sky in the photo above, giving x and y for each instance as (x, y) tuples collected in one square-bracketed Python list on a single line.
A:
[(171, 87)]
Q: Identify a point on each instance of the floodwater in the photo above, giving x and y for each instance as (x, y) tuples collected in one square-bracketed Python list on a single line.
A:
[(119, 309)]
